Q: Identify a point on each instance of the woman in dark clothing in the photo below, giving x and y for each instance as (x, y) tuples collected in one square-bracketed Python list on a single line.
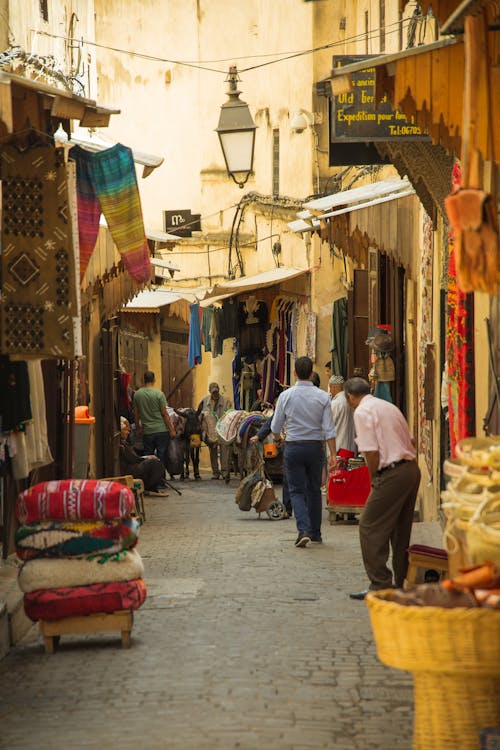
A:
[(148, 468)]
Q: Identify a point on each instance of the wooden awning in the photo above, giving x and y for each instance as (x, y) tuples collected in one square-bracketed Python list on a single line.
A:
[(25, 103)]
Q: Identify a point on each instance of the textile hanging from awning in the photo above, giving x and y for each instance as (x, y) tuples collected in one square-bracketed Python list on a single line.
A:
[(38, 266), (106, 182)]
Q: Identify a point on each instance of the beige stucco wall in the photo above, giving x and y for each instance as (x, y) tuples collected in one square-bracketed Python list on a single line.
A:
[(67, 19)]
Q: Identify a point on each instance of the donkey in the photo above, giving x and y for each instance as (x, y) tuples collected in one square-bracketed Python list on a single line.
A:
[(191, 425)]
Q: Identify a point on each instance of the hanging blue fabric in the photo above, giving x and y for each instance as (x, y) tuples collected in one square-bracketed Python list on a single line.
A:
[(194, 344), (383, 391)]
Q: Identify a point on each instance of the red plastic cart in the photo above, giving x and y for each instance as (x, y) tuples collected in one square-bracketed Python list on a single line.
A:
[(348, 490)]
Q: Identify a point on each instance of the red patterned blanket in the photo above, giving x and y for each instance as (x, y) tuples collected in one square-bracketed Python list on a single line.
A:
[(74, 500), (73, 601)]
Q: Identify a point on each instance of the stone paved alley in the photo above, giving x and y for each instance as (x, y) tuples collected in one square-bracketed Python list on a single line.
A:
[(244, 642)]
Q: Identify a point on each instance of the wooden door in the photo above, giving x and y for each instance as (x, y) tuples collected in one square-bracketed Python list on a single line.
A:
[(358, 325), (177, 377), (134, 355)]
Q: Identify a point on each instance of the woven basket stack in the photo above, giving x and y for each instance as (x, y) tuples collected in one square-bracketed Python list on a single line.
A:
[(454, 655), (76, 540), (471, 503)]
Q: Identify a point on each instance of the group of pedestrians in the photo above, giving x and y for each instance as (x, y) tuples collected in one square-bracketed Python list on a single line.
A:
[(356, 420), (348, 416)]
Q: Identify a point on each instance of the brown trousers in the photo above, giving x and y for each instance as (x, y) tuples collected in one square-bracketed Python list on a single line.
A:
[(225, 459), (386, 521)]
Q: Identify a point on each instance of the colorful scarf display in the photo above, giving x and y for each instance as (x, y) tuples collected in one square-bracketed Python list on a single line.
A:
[(74, 601), (74, 500), (460, 356), (106, 183), (39, 299)]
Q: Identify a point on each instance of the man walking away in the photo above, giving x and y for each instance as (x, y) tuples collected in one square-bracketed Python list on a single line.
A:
[(151, 418), (217, 405), (305, 410), (383, 437)]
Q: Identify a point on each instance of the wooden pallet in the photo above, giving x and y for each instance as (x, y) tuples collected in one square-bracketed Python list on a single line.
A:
[(52, 630)]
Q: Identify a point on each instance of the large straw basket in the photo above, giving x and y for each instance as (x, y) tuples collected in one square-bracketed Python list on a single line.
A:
[(454, 655)]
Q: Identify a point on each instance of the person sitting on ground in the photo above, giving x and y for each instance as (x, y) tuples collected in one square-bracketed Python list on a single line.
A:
[(148, 468)]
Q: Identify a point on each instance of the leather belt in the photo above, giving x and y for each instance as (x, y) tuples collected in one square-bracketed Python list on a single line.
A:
[(391, 466), (302, 442)]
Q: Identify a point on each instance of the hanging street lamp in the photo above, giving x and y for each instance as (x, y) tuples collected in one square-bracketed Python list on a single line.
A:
[(236, 131)]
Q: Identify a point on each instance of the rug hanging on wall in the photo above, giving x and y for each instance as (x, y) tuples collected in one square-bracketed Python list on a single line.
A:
[(38, 265)]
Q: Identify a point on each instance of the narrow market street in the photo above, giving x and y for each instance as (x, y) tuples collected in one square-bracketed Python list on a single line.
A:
[(244, 642)]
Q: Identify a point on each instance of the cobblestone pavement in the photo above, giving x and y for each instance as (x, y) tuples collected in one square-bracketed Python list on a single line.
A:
[(244, 642)]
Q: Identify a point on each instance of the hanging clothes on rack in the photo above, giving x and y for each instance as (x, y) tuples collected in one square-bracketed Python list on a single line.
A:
[(339, 337), (206, 322), (253, 319), (230, 318), (236, 369), (194, 340)]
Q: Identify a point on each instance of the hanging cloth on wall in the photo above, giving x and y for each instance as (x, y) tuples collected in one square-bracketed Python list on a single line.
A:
[(106, 183), (253, 320), (311, 336), (339, 338), (37, 443), (15, 404), (236, 369), (230, 316), (206, 322), (194, 342), (38, 264)]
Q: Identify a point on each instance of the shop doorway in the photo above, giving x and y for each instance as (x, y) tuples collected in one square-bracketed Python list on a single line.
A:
[(134, 355), (378, 297)]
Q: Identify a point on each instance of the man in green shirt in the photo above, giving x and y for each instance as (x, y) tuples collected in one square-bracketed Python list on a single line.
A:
[(151, 418)]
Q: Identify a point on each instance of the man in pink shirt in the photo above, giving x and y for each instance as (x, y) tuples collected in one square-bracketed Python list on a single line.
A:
[(384, 439)]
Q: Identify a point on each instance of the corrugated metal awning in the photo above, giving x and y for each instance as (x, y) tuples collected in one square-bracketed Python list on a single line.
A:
[(349, 200), (152, 300)]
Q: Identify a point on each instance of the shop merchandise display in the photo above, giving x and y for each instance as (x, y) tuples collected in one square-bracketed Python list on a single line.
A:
[(39, 277), (77, 540), (72, 538), (267, 338), (106, 183), (74, 500), (471, 503), (448, 634)]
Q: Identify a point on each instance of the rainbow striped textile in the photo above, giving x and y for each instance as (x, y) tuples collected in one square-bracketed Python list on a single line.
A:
[(106, 183)]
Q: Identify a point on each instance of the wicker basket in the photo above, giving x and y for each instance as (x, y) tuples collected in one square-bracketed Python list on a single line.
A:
[(454, 655), (483, 533)]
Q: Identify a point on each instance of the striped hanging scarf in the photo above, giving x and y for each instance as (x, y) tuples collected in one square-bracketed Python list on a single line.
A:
[(106, 183)]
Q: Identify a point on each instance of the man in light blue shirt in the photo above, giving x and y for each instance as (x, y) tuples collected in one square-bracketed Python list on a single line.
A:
[(305, 410)]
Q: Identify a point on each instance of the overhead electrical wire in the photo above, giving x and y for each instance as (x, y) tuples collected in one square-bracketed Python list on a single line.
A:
[(372, 33)]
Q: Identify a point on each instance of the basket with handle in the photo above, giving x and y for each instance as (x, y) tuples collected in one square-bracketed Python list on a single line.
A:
[(454, 655)]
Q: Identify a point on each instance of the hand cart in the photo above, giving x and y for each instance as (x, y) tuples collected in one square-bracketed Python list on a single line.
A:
[(348, 490)]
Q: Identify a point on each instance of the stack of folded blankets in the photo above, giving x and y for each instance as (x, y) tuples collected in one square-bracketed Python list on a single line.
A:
[(77, 540)]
